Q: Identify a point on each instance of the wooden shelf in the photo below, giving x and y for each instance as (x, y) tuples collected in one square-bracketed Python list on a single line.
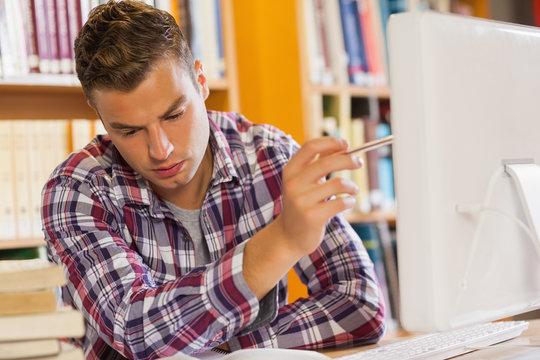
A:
[(50, 97), (21, 243), (351, 90)]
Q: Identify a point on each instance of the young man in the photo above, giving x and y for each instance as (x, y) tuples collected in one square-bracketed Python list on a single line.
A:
[(177, 230)]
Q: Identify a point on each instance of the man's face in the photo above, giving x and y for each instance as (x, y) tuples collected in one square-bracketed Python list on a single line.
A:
[(161, 127)]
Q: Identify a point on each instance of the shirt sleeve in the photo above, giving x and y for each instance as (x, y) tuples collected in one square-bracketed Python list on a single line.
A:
[(344, 306), (109, 283)]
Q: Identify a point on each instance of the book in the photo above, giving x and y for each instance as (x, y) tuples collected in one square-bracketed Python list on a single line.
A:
[(30, 37), (27, 302), (29, 275), (67, 352), (41, 26), (336, 43), (373, 41), (363, 203), (385, 169), (313, 46), (52, 35), (353, 42), (23, 202), (62, 35), (321, 36), (74, 25), (63, 323), (369, 234), (372, 157), (389, 246), (29, 348), (184, 20), (196, 32), (7, 183)]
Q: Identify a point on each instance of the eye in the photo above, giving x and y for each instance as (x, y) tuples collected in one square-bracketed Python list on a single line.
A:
[(175, 116), (128, 133)]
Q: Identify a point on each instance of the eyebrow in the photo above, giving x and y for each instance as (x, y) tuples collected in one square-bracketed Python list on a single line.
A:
[(174, 105)]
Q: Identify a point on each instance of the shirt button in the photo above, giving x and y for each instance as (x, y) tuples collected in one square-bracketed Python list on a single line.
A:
[(185, 238)]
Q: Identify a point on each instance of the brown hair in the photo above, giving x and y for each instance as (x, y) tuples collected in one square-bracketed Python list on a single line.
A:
[(120, 43)]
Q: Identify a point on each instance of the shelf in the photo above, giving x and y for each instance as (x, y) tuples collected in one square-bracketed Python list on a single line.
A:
[(351, 90), (21, 243), (50, 97), (67, 82), (374, 216)]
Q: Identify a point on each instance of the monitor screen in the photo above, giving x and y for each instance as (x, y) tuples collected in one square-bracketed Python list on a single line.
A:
[(465, 96)]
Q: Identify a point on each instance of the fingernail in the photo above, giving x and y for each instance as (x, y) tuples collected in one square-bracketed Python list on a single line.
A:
[(358, 161)]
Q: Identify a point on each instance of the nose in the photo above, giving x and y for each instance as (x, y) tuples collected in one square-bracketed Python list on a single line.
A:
[(159, 146)]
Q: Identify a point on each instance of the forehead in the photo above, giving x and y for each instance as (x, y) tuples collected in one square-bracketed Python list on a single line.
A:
[(165, 83)]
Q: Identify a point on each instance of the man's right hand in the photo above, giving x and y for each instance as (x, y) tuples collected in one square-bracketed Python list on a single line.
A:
[(308, 203)]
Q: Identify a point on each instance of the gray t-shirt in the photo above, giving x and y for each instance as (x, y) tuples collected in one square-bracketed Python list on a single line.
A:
[(191, 221)]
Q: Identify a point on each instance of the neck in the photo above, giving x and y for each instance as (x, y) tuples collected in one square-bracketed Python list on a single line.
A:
[(191, 196)]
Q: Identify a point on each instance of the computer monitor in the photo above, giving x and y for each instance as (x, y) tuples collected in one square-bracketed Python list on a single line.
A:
[(465, 98)]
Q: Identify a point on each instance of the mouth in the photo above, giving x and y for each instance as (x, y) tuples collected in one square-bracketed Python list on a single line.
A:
[(168, 171)]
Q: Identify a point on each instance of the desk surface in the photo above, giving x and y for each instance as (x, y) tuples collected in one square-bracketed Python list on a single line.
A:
[(524, 347)]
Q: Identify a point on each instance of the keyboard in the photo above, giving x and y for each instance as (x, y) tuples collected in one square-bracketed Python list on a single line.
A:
[(444, 345)]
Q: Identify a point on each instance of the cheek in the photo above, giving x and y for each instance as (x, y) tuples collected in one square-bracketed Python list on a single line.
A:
[(133, 151)]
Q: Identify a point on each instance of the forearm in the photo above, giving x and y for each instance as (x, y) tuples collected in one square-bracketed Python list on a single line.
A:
[(324, 320), (344, 305), (267, 259)]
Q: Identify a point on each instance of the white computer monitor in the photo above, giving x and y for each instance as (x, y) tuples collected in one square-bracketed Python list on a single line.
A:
[(465, 97)]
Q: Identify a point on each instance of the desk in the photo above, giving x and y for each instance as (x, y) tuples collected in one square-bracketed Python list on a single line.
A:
[(524, 347)]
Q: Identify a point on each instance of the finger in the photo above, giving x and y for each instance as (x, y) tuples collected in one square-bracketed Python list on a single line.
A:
[(316, 147), (326, 210), (319, 193), (326, 165)]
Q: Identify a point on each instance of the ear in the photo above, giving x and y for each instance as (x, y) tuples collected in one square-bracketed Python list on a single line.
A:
[(92, 106), (201, 80)]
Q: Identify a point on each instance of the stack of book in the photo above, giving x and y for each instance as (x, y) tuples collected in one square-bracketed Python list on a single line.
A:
[(32, 324)]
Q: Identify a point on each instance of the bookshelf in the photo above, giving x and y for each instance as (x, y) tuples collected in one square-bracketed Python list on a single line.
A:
[(340, 92), (44, 97)]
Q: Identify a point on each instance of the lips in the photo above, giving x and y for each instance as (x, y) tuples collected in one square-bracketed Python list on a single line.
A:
[(172, 170)]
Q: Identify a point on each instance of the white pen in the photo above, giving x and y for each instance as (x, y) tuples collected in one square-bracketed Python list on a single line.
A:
[(372, 145)]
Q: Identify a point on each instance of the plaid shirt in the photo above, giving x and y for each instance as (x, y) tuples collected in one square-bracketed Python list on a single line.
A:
[(131, 264)]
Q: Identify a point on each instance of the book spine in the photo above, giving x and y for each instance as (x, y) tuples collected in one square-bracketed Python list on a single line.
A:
[(62, 35), (385, 170), (314, 54), (372, 56), (363, 203), (219, 35), (322, 39), (196, 39), (74, 25), (8, 38), (334, 37), (372, 157), (22, 180), (370, 237), (18, 36), (30, 37), (353, 42), (41, 27), (7, 183), (37, 179)]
